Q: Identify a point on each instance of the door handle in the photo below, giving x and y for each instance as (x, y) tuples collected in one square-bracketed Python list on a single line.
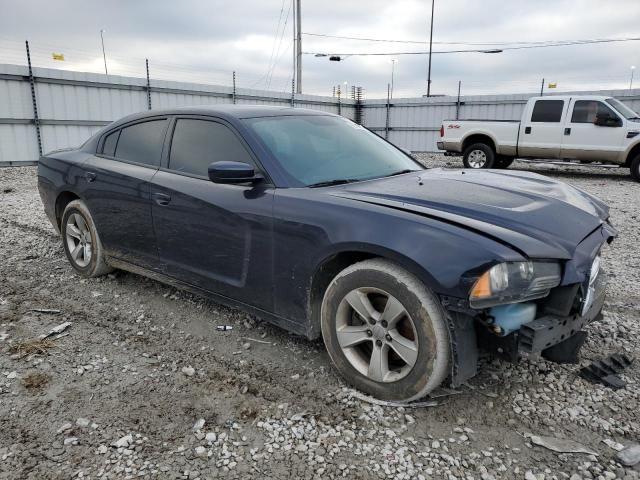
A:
[(90, 176), (567, 131), (527, 129), (161, 199)]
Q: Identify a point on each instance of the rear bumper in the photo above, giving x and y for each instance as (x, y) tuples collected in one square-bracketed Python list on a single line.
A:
[(549, 330), (440, 145)]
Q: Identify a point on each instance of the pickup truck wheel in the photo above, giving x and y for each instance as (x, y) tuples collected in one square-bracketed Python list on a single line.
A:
[(478, 155), (635, 168), (503, 162), (81, 241), (385, 332)]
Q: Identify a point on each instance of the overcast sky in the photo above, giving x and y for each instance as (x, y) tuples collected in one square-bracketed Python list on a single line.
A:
[(205, 41)]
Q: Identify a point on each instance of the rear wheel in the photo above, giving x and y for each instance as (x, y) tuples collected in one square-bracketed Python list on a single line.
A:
[(478, 155), (385, 332), (635, 168), (503, 162), (81, 241)]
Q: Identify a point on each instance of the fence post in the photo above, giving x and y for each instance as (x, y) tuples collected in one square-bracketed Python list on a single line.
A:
[(542, 88), (386, 124), (233, 95), (148, 84), (339, 103), (458, 101), (32, 83), (293, 92)]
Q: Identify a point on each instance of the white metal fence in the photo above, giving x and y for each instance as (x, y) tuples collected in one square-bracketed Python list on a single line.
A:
[(71, 106)]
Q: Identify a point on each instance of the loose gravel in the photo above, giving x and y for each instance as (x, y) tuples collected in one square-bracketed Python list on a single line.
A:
[(143, 384)]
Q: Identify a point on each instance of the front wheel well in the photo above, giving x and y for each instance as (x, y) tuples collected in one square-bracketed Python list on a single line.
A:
[(635, 151), (64, 198), (478, 138)]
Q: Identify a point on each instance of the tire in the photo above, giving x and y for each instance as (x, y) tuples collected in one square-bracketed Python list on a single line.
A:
[(478, 155), (503, 162), (81, 241), (635, 168), (420, 332)]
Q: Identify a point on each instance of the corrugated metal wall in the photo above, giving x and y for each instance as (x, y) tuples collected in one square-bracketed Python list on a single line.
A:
[(74, 105)]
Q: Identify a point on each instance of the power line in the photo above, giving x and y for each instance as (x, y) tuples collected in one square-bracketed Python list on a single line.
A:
[(522, 47), (275, 38), (421, 42)]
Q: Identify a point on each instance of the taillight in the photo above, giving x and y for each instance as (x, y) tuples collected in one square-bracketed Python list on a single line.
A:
[(441, 130)]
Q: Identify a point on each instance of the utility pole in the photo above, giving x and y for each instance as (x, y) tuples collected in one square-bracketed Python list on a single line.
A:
[(542, 88), (104, 56), (298, 47), (631, 81), (393, 67), (294, 49), (430, 49)]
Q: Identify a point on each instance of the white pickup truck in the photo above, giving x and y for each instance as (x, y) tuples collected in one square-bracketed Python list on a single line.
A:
[(576, 128)]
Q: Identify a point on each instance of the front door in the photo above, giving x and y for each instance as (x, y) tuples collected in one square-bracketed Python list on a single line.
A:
[(541, 130), (213, 236), (584, 140)]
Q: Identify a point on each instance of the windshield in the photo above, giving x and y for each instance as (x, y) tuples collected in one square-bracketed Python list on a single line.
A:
[(625, 111), (319, 149)]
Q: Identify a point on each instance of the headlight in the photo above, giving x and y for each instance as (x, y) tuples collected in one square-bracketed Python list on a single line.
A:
[(513, 282)]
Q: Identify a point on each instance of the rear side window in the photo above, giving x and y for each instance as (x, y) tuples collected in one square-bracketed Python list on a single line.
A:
[(585, 111), (198, 143), (109, 145), (142, 142), (547, 111)]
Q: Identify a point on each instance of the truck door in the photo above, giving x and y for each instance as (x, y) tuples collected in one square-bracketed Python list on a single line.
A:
[(541, 129), (584, 139)]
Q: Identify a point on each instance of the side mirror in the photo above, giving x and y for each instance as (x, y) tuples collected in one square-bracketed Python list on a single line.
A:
[(232, 172), (606, 120)]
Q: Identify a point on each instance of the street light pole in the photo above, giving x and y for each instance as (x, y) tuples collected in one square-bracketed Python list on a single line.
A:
[(430, 47), (633, 67), (104, 56), (393, 65)]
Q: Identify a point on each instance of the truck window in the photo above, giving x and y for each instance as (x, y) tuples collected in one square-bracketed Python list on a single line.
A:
[(585, 111), (549, 111)]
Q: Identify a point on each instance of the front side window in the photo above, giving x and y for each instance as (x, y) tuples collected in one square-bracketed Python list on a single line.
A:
[(624, 110), (198, 143), (315, 149), (142, 142), (586, 111), (547, 111)]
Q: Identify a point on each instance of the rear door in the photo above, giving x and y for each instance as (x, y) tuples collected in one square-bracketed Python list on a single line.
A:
[(584, 140), (214, 236), (541, 129), (117, 189)]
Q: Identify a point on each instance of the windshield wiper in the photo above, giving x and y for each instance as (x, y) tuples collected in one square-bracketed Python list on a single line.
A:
[(401, 172), (329, 183)]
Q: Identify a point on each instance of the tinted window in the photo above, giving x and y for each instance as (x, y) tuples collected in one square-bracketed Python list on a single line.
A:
[(109, 145), (547, 111), (585, 111), (142, 142), (198, 143)]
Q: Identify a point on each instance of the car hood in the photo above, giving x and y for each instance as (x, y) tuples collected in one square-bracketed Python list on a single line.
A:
[(538, 216)]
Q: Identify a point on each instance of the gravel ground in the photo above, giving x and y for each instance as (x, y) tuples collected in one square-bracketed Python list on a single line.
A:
[(143, 385)]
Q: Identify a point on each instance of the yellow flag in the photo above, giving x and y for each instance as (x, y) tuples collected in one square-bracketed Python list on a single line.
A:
[(553, 85), (58, 56)]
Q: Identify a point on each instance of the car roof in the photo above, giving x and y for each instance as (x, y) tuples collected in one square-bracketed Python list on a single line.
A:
[(225, 111)]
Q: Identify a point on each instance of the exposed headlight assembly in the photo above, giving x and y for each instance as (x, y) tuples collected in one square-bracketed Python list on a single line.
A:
[(513, 282)]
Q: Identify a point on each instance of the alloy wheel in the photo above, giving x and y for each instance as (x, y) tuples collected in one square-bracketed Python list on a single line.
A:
[(376, 334), (477, 159), (78, 239)]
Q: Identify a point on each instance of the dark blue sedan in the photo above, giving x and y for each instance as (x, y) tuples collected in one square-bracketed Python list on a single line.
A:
[(316, 224)]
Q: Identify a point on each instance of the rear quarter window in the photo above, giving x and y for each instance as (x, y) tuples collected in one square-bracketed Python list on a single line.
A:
[(548, 111), (142, 142), (110, 142)]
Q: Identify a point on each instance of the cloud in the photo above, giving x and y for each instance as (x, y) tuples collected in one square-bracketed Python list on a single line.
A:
[(200, 40)]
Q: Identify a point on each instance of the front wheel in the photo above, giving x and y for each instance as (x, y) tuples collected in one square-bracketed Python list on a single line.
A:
[(635, 168), (385, 331), (478, 155), (81, 241)]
